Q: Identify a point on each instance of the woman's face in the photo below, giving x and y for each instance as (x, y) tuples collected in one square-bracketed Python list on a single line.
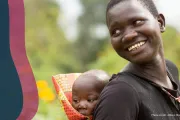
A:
[(135, 32)]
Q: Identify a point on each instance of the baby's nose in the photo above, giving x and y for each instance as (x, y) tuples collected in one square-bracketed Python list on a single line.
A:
[(82, 105)]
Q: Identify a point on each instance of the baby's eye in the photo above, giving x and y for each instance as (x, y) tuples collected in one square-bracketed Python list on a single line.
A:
[(116, 32), (138, 22), (75, 101), (90, 100)]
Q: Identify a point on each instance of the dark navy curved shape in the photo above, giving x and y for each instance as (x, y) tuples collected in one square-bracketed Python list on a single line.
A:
[(11, 99)]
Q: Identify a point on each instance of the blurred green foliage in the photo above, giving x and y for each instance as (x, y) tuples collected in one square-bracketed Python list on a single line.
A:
[(89, 42), (48, 50), (50, 53)]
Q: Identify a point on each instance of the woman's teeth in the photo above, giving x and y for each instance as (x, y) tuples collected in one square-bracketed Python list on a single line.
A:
[(136, 46)]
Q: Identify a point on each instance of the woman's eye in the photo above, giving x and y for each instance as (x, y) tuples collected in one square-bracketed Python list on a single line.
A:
[(138, 22), (116, 32)]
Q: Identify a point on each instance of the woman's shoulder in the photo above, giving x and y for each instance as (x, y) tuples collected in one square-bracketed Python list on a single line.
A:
[(124, 76), (172, 69), (171, 66), (121, 83), (126, 79)]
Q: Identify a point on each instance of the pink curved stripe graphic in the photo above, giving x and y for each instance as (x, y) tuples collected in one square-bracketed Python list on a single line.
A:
[(18, 53)]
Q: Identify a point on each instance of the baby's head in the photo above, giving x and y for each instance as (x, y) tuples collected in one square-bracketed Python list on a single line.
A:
[(86, 90)]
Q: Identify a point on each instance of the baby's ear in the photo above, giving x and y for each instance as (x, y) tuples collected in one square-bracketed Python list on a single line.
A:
[(161, 21)]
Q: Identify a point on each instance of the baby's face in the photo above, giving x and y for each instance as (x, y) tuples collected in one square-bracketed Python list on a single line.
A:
[(85, 97)]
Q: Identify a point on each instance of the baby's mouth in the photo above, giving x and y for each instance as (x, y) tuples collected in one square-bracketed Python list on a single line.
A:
[(83, 112), (136, 46)]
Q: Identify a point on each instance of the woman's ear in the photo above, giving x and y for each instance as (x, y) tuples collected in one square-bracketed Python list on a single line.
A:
[(161, 21)]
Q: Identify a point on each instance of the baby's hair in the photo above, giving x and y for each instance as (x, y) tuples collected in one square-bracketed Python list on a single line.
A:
[(99, 74), (148, 4)]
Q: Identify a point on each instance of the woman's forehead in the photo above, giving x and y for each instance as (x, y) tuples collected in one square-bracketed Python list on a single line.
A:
[(127, 10)]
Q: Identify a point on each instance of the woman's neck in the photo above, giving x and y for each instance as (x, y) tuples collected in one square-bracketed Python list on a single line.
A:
[(154, 71)]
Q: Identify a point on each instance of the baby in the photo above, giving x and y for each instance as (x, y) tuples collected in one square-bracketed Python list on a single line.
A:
[(86, 90)]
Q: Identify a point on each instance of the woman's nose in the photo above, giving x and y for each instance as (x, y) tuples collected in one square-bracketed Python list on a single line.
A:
[(129, 36)]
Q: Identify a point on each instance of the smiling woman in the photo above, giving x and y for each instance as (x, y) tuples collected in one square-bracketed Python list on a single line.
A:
[(149, 84), (134, 26)]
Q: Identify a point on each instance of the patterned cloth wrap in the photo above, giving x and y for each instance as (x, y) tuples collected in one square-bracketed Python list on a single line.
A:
[(63, 86)]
